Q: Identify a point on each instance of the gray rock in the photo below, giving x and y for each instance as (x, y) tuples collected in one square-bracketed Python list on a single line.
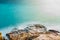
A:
[(36, 28)]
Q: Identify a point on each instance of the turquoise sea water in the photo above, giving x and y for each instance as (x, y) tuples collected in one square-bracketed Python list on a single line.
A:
[(28, 11), (12, 14), (7, 15)]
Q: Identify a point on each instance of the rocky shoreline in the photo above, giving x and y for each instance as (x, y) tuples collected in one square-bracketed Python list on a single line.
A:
[(32, 32)]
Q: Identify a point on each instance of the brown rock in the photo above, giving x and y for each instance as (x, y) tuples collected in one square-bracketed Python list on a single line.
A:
[(0, 36)]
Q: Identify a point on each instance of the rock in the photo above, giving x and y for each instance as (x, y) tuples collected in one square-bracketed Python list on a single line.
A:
[(54, 31), (14, 29), (28, 33), (36, 28), (48, 36), (0, 36), (33, 32), (17, 35)]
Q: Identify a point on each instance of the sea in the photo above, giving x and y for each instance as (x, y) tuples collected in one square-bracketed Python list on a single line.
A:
[(15, 14)]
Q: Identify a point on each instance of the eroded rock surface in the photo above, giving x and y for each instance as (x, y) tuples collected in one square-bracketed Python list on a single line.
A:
[(34, 32)]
